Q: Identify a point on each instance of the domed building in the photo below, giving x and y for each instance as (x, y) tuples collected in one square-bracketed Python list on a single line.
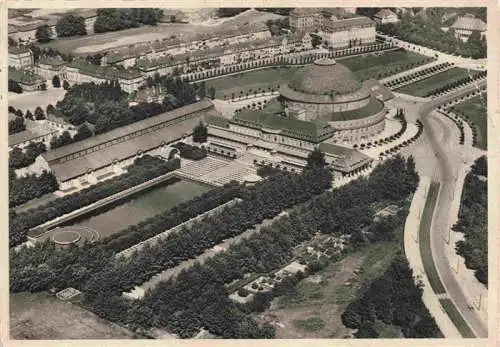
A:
[(329, 92), (323, 105)]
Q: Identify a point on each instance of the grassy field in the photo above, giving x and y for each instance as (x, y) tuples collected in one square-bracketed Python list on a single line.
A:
[(152, 202), (31, 100), (42, 316), (372, 65), (476, 110), (313, 310), (245, 81), (364, 66), (421, 88), (457, 318), (310, 324), (376, 258), (425, 239)]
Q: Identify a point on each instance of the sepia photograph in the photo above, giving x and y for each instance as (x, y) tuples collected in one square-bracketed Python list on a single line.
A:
[(247, 173)]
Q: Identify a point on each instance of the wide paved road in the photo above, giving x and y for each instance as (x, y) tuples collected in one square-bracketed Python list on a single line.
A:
[(449, 160)]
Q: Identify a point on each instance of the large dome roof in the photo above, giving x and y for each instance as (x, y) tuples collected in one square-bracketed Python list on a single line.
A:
[(323, 77)]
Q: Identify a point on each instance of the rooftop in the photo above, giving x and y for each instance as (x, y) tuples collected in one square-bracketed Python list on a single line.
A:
[(325, 77), (303, 130), (108, 72), (336, 25), (125, 130), (469, 22), (24, 136), (384, 13), (344, 158)]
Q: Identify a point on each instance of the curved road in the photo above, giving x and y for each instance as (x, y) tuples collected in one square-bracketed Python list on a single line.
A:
[(449, 160)]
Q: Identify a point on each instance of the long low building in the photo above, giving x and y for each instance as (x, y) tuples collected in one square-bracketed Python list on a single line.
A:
[(101, 155)]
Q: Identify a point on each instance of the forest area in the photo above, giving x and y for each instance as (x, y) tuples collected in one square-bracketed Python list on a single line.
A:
[(198, 297), (473, 220), (424, 29)]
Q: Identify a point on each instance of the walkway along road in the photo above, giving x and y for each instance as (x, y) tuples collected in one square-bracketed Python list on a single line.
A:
[(450, 159), (412, 252)]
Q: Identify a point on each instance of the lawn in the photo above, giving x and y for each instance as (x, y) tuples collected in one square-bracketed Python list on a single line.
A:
[(310, 324), (422, 87), (251, 80), (376, 258), (457, 318), (364, 66), (425, 239), (375, 64), (314, 308), (31, 100), (42, 316), (476, 110)]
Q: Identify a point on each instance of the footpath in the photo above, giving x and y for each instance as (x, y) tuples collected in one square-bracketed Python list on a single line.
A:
[(412, 251)]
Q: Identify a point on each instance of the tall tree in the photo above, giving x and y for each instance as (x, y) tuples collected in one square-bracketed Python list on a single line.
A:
[(56, 82), (316, 159), (43, 33), (71, 25), (200, 133), (39, 114)]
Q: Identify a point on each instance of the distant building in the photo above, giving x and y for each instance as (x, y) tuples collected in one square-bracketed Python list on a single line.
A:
[(20, 57), (337, 27), (465, 25), (79, 71), (23, 28), (385, 16)]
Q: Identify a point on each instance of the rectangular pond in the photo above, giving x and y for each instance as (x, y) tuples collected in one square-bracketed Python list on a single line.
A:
[(144, 205)]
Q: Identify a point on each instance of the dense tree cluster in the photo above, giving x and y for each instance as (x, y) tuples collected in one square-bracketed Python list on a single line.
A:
[(143, 169), (30, 187), (200, 133), (480, 166), (395, 299), (260, 202), (473, 222), (105, 105), (14, 86), (316, 159), (268, 170), (426, 31), (56, 82), (16, 125), (197, 297), (19, 158), (43, 33), (113, 19), (71, 25), (65, 138), (190, 152), (275, 26)]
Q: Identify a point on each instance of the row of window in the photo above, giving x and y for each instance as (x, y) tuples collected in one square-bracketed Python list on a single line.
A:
[(126, 137)]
